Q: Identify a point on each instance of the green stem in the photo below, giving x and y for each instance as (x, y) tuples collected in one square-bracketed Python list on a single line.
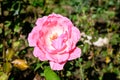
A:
[(81, 72)]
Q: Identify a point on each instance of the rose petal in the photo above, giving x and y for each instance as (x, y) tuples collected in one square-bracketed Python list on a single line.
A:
[(40, 21), (75, 54), (75, 35), (33, 36), (56, 66), (38, 53), (59, 44), (58, 57)]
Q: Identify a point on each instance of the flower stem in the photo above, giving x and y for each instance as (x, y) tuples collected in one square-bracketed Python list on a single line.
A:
[(81, 72)]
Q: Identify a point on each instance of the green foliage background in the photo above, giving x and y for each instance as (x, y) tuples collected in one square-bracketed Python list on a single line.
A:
[(96, 18)]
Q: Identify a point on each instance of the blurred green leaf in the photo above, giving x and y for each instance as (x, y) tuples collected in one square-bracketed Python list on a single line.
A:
[(16, 44), (115, 39), (9, 54), (7, 23), (37, 3), (17, 28), (68, 73), (87, 65), (110, 14), (7, 67), (1, 45), (0, 30), (50, 74), (86, 47), (3, 76), (38, 66)]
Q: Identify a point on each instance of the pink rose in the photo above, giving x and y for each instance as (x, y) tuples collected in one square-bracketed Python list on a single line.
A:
[(54, 38)]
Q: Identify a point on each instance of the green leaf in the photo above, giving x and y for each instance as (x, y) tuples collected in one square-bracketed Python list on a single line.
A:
[(3, 76), (50, 74), (86, 48), (38, 66), (87, 65), (17, 28), (115, 39), (9, 54), (16, 44), (7, 67)]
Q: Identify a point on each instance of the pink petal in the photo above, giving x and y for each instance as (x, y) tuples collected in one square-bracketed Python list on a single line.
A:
[(33, 37), (38, 53), (62, 57), (56, 66), (74, 38), (75, 54), (60, 43), (58, 57), (40, 21), (75, 35)]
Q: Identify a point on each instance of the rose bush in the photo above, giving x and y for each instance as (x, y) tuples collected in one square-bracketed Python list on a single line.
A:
[(54, 39)]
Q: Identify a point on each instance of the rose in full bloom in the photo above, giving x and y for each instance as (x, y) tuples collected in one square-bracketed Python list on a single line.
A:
[(54, 38)]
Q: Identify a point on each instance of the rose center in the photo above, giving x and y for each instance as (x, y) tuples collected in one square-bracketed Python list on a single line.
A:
[(54, 36)]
